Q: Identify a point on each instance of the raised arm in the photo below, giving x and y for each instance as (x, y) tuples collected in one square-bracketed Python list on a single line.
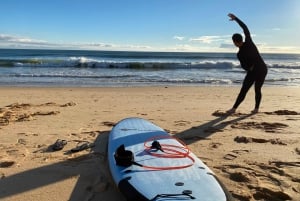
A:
[(242, 25)]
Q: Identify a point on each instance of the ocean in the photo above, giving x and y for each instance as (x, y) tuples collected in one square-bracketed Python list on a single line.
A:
[(83, 68)]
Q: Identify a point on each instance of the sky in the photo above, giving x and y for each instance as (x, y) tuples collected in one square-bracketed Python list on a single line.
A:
[(148, 25)]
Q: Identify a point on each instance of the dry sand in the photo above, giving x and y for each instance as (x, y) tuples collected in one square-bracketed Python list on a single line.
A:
[(257, 157)]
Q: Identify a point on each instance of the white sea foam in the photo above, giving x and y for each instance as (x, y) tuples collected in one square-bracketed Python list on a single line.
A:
[(96, 68)]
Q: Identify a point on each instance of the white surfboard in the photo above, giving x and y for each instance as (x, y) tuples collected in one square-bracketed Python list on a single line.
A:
[(153, 174)]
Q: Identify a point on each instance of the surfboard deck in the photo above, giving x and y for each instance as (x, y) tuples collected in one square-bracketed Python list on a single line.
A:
[(182, 177)]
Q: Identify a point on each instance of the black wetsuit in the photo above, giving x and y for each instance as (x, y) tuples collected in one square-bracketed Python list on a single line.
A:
[(255, 66)]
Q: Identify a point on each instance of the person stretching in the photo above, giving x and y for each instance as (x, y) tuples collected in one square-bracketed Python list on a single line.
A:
[(252, 62)]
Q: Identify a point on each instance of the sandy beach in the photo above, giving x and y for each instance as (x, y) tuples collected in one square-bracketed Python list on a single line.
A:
[(256, 156)]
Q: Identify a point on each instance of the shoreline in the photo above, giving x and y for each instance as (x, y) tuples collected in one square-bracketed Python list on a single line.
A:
[(255, 156), (149, 85)]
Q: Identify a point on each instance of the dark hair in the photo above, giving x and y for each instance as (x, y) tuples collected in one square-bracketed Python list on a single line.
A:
[(237, 37)]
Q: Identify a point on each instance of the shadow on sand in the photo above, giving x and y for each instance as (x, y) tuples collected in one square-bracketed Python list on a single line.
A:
[(205, 130), (78, 168), (88, 185)]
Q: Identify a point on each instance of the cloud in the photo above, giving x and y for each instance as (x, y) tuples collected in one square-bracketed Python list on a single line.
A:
[(4, 37), (178, 38), (110, 46), (21, 40), (100, 45), (26, 42), (226, 45), (209, 39), (183, 48), (137, 47), (276, 29), (209, 44), (277, 49), (264, 48)]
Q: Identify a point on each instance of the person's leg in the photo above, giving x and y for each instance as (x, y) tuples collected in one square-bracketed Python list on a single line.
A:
[(248, 81), (257, 87)]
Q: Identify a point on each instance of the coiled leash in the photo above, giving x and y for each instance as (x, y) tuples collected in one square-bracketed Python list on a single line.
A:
[(152, 147)]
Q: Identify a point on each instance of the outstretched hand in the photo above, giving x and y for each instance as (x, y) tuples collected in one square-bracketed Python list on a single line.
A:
[(232, 16)]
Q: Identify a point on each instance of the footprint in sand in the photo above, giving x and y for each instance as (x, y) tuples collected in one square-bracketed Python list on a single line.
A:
[(263, 181), (215, 145), (16, 106), (42, 113), (4, 121), (240, 177), (235, 154), (286, 113), (283, 112), (243, 139), (285, 164), (68, 104), (108, 123), (265, 193), (22, 141), (267, 127), (230, 156), (16, 151), (181, 123), (7, 164), (91, 133), (17, 112), (219, 113)]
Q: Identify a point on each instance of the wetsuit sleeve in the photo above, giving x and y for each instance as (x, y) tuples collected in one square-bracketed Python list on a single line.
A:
[(245, 29)]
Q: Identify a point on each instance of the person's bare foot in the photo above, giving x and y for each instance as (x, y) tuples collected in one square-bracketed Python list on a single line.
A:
[(231, 111), (254, 111)]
